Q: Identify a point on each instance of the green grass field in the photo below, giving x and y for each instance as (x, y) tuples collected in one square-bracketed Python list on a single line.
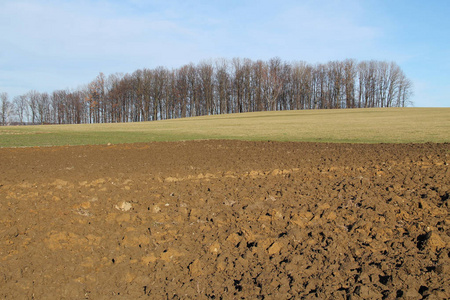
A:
[(387, 125)]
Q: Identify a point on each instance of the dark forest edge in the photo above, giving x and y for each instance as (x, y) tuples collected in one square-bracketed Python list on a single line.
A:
[(215, 87)]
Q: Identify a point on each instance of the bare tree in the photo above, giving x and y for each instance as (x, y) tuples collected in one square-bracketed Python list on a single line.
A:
[(158, 92), (222, 79), (33, 100), (349, 83), (43, 108), (59, 105), (182, 92), (404, 91), (192, 79), (21, 108), (259, 76), (6, 109), (238, 86), (96, 98), (223, 86), (206, 87)]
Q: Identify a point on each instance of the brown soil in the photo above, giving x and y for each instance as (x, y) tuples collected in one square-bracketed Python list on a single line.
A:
[(225, 220)]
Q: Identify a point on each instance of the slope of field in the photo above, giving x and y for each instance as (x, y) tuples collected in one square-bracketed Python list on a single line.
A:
[(388, 125), (225, 220)]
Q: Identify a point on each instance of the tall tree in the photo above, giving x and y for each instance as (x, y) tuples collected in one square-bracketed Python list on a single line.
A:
[(222, 86), (33, 99), (43, 108), (222, 79), (349, 83), (96, 99), (193, 105), (206, 87), (21, 106), (6, 108)]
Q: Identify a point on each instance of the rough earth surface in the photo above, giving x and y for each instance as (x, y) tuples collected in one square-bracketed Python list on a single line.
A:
[(225, 220)]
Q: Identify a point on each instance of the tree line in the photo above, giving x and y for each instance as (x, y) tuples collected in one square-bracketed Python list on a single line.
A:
[(215, 87)]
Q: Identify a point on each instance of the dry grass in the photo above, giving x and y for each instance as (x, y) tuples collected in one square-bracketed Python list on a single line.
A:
[(388, 125)]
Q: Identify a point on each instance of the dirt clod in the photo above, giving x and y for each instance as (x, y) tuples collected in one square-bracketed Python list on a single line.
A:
[(225, 220)]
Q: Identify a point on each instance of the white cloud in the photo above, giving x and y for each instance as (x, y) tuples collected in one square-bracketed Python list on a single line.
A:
[(86, 30), (52, 44), (49, 44), (115, 30), (320, 31)]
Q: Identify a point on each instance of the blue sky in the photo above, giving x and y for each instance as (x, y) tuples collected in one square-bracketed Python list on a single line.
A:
[(48, 45)]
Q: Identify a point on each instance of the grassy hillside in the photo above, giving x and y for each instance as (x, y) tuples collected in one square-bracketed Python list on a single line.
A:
[(387, 125)]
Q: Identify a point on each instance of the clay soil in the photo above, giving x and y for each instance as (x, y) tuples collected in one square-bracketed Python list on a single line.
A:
[(225, 220)]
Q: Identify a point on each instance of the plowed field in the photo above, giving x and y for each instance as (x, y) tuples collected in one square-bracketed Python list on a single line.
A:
[(225, 220)]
